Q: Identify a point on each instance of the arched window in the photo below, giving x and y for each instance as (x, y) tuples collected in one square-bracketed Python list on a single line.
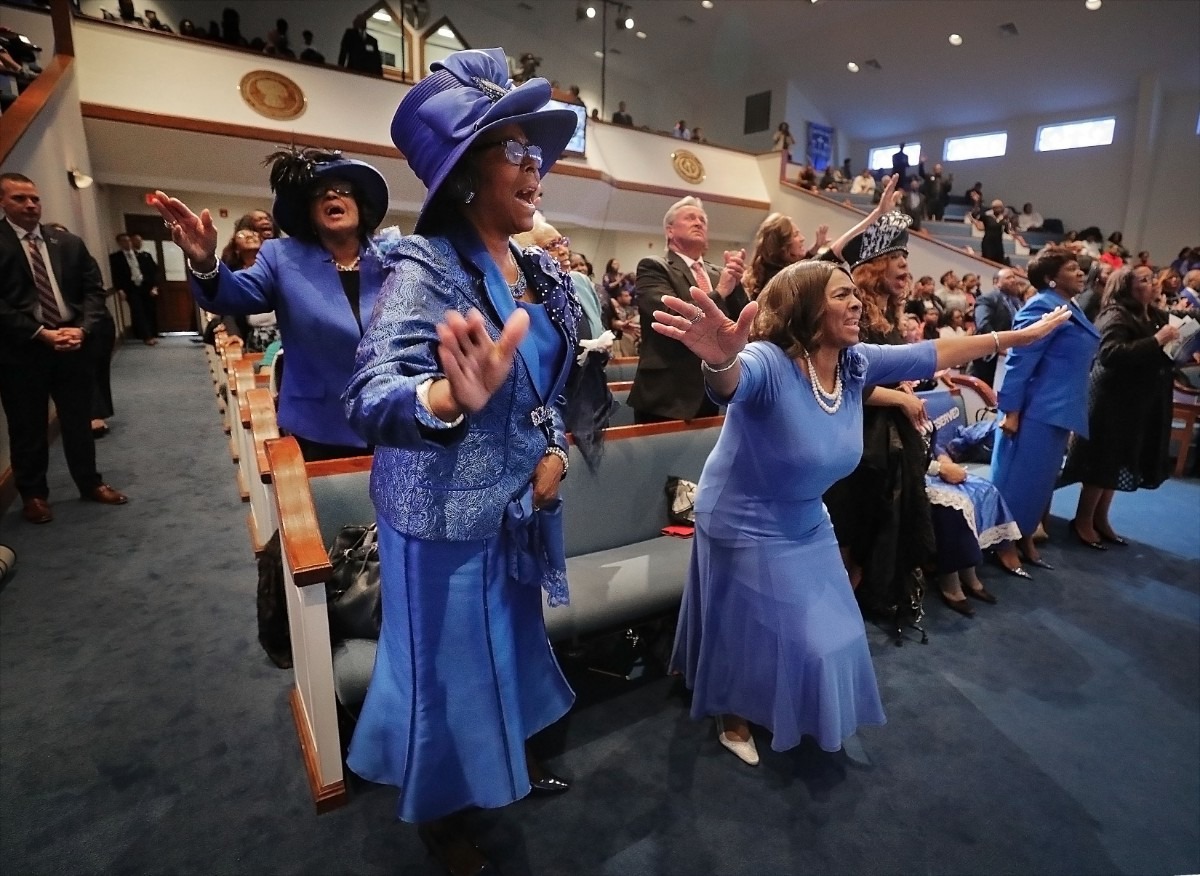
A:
[(395, 40)]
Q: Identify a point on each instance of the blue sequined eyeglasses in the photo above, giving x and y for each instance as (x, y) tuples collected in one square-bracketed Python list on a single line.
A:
[(515, 152)]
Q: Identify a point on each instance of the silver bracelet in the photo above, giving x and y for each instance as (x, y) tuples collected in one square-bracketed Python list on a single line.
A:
[(553, 450), (996, 341), (205, 275), (705, 366)]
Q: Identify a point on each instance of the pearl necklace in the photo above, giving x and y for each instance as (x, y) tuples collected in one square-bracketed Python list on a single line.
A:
[(353, 266), (834, 398)]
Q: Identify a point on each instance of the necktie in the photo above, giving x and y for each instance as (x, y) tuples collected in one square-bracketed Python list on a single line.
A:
[(702, 281), (41, 279), (135, 270)]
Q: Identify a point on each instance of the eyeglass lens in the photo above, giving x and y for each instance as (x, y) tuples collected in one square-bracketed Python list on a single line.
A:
[(515, 152)]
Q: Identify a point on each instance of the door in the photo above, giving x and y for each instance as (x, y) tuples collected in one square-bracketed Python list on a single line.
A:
[(176, 310)]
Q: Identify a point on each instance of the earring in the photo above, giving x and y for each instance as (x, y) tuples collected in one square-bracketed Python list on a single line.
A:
[(1051, 284), (468, 197)]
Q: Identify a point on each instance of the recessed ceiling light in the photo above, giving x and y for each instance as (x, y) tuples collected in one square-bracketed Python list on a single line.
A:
[(641, 34), (598, 53), (707, 4), (852, 67), (629, 23), (1092, 5), (955, 39), (590, 12)]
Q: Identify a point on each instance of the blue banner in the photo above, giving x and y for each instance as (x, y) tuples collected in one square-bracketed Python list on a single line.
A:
[(820, 145)]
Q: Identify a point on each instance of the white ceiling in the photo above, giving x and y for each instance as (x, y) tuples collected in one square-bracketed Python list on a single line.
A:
[(1064, 57)]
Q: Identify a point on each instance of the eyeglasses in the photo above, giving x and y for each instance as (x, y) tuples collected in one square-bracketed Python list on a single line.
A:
[(559, 242), (320, 191), (515, 152)]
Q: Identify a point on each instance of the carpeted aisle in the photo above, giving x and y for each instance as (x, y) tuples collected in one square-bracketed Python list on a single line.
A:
[(143, 731)]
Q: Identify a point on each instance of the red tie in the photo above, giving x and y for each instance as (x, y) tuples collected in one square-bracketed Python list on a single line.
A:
[(702, 281), (41, 279)]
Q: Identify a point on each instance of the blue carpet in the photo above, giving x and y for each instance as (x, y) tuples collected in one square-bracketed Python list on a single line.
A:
[(142, 730)]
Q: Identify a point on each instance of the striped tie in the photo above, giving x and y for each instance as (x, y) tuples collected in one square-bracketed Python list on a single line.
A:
[(702, 282), (51, 315)]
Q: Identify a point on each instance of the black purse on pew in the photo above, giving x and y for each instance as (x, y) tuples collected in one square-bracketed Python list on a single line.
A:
[(352, 591)]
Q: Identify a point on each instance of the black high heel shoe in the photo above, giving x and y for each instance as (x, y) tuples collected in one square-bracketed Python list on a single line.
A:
[(1016, 570), (958, 605), (1112, 538), (982, 593), (1094, 545), (446, 843), (541, 780)]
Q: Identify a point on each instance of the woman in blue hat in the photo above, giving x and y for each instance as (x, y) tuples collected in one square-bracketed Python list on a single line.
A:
[(458, 384), (322, 282)]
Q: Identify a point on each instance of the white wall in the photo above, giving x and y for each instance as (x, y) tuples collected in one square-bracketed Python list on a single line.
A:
[(1086, 186), (1173, 215)]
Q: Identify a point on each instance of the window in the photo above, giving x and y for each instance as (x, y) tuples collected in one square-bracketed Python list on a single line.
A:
[(881, 158), (578, 142), (975, 146), (1075, 135)]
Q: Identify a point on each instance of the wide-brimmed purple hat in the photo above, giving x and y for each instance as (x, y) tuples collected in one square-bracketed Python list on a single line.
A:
[(293, 173), (465, 95)]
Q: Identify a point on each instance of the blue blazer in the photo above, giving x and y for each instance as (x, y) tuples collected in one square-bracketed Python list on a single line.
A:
[(1048, 380), (299, 281), (449, 484)]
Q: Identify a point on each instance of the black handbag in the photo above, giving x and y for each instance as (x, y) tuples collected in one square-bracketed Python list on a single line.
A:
[(352, 591)]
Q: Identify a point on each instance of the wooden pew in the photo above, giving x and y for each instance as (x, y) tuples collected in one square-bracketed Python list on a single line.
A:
[(1185, 413), (621, 369), (260, 520), (313, 501)]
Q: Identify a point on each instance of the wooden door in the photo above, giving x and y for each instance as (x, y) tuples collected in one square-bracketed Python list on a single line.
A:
[(176, 309)]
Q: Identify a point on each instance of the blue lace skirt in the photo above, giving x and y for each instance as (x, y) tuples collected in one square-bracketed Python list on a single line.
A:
[(464, 674), (769, 630)]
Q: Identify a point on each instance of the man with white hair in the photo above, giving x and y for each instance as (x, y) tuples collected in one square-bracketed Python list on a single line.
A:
[(993, 224), (668, 384)]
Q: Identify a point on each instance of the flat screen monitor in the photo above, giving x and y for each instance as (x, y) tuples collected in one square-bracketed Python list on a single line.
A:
[(578, 144)]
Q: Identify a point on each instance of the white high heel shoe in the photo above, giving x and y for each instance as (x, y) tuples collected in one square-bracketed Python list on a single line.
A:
[(746, 751)]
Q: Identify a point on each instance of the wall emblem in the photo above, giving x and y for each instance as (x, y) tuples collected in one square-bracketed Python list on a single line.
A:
[(688, 166), (273, 95)]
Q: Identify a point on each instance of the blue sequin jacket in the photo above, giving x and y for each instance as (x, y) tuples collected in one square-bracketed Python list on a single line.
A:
[(452, 484)]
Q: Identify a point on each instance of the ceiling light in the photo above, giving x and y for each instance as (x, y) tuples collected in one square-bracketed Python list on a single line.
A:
[(598, 53), (590, 12), (955, 39), (381, 15), (707, 4), (629, 22), (641, 34), (852, 67), (1092, 5)]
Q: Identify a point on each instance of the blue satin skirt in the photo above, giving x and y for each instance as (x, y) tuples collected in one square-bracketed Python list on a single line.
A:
[(464, 674), (1025, 469)]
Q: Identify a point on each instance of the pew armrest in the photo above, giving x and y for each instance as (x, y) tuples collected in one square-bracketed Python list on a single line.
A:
[(298, 530), (263, 427)]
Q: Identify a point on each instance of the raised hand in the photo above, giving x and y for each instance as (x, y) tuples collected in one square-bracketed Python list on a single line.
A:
[(703, 328), (195, 235), (1042, 327), (731, 273), (476, 366), (890, 199)]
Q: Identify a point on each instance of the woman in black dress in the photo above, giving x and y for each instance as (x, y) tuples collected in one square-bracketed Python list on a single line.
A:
[(1129, 405)]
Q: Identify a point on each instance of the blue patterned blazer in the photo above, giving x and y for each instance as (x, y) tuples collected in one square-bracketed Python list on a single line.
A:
[(449, 484), (1048, 380), (299, 281)]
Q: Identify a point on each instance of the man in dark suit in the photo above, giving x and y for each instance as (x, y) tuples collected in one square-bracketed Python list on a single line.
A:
[(994, 312), (900, 166), (913, 204), (936, 188), (136, 275), (51, 298), (360, 50), (668, 384)]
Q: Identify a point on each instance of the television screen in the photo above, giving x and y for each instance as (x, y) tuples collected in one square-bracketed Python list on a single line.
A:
[(578, 144)]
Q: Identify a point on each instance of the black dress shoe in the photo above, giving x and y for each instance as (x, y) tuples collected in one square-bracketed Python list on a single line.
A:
[(1040, 563), (451, 848), (542, 781), (1094, 545), (981, 594), (1112, 538), (959, 605)]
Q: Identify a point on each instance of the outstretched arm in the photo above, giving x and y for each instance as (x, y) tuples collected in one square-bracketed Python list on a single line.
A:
[(887, 203)]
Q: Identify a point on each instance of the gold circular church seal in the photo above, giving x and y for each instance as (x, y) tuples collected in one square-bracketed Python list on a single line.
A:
[(273, 95), (688, 166)]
